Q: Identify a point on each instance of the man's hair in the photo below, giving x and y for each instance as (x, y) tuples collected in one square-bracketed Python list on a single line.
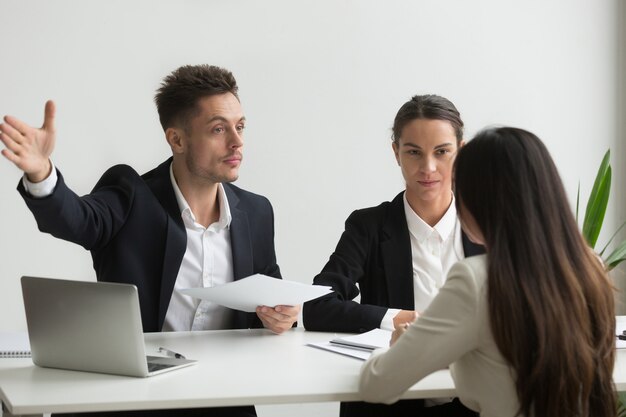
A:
[(178, 96), (429, 107)]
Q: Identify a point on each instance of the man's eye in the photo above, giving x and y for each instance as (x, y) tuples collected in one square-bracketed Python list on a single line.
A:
[(218, 130), (240, 128)]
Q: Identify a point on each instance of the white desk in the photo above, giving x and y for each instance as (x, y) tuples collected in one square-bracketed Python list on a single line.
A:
[(235, 367)]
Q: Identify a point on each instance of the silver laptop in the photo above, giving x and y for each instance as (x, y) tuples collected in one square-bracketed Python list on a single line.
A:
[(89, 326)]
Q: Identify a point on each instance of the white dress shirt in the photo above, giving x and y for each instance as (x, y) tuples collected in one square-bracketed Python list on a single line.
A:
[(208, 261), (434, 250)]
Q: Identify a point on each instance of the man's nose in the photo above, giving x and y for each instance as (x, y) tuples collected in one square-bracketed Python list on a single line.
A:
[(236, 139)]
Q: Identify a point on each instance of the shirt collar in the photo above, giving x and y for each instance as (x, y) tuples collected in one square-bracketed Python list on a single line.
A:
[(422, 230), (185, 210)]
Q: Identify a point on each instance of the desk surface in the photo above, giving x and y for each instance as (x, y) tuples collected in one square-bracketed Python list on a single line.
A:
[(235, 367)]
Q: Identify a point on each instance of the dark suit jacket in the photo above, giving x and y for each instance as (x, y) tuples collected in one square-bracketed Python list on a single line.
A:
[(133, 227), (374, 252)]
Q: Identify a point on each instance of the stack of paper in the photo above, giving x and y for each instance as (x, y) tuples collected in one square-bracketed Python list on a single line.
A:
[(358, 346), (620, 329), (369, 341), (14, 345)]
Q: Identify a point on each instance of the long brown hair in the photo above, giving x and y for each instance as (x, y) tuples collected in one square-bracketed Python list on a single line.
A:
[(551, 303)]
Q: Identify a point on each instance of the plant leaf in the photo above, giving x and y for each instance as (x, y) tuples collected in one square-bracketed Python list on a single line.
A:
[(577, 201), (617, 256), (598, 200), (611, 239)]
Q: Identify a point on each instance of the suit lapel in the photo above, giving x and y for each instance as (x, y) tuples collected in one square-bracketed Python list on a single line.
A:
[(470, 248), (241, 247), (176, 241), (240, 242), (397, 258)]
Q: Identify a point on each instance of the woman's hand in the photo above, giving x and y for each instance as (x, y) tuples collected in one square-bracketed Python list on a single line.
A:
[(401, 322)]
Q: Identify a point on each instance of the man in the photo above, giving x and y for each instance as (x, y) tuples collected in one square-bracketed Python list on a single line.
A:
[(180, 225)]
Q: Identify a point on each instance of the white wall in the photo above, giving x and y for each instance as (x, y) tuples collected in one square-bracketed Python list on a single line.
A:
[(320, 83)]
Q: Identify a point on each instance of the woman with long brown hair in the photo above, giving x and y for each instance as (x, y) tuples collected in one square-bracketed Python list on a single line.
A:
[(527, 329)]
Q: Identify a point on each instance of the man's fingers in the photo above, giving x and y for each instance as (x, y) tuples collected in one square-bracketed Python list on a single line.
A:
[(48, 119), (274, 321), (17, 125), (9, 131), (12, 145), (10, 156), (270, 313), (270, 323), (290, 311)]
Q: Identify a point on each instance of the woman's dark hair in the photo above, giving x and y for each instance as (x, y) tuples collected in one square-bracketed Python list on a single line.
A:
[(550, 301), (178, 96), (431, 107)]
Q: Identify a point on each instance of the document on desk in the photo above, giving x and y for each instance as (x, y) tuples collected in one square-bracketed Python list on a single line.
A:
[(258, 290), (374, 339), (358, 346), (620, 329), (14, 345), (346, 351)]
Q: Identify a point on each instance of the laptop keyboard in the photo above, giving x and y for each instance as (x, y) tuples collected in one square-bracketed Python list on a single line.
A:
[(152, 367)]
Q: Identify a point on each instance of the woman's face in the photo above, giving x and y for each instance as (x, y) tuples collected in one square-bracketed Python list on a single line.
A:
[(425, 153)]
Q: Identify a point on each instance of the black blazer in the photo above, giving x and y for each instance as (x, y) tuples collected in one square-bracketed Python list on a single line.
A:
[(374, 252), (133, 227)]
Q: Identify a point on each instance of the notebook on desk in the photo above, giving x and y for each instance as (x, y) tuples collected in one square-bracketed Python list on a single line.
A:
[(14, 345), (89, 326)]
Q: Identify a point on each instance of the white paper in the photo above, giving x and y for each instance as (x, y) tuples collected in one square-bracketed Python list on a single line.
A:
[(14, 345), (620, 327), (374, 339), (258, 290), (346, 351)]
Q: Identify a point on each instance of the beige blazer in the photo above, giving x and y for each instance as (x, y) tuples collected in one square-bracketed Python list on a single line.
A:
[(453, 331)]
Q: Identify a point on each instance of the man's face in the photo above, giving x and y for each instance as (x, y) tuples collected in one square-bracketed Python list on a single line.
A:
[(425, 153), (212, 142)]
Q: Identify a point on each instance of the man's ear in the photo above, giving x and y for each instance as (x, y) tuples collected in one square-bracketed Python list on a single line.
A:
[(175, 139)]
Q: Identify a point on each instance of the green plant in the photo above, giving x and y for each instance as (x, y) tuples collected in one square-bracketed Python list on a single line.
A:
[(621, 408), (594, 214), (592, 224)]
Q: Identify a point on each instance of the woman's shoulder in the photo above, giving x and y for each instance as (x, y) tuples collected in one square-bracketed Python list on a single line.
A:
[(381, 211), (474, 267), (477, 263)]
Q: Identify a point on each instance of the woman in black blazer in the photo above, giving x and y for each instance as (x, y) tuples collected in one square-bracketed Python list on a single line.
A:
[(397, 254)]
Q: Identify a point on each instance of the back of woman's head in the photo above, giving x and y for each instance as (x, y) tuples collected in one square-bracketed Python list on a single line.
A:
[(551, 305)]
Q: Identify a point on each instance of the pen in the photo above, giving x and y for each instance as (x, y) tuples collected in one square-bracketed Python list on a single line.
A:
[(171, 353)]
